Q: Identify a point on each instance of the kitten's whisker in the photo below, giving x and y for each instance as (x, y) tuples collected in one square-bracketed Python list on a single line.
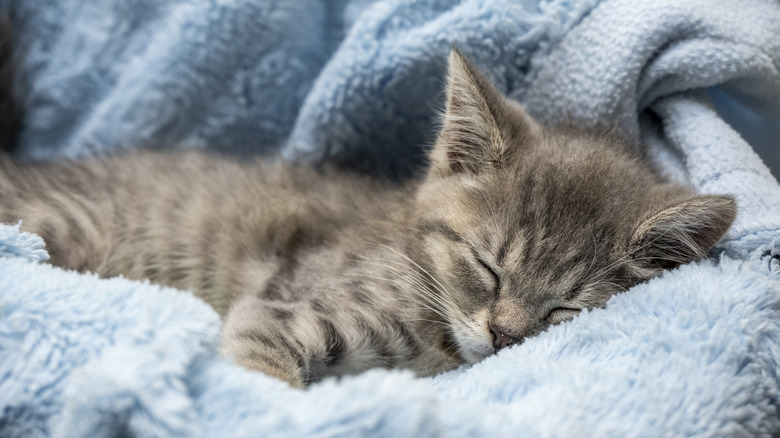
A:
[(441, 286), (424, 320), (628, 257), (633, 251), (622, 262), (442, 291), (452, 349), (408, 274), (623, 289), (440, 308), (451, 311), (595, 254), (441, 300), (441, 305)]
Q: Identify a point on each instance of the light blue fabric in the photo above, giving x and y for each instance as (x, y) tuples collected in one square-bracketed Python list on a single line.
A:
[(693, 353), (17, 243)]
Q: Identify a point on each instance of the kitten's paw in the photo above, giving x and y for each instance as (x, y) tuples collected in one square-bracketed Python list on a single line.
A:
[(294, 379), (290, 375)]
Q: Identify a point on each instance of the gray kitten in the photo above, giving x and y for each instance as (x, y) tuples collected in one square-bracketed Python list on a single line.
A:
[(511, 228)]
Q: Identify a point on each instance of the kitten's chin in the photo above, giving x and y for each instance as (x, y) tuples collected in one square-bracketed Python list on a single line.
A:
[(473, 355)]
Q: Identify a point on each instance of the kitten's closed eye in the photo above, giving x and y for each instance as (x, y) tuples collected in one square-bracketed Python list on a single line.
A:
[(560, 314), (492, 272)]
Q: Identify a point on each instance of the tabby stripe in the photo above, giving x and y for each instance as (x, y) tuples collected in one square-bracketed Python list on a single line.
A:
[(380, 347), (207, 257), (256, 338), (410, 342), (67, 212), (318, 307), (275, 288), (440, 227), (46, 231), (502, 250), (350, 261), (563, 268), (334, 343), (281, 314), (359, 293), (86, 206), (178, 271), (272, 290), (272, 345), (175, 250)]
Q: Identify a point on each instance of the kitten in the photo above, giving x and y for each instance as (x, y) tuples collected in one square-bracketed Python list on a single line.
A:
[(511, 228)]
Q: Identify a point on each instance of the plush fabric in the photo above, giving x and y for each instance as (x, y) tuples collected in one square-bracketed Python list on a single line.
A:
[(692, 353)]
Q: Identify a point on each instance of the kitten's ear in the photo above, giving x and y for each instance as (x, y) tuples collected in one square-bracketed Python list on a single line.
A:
[(683, 232), (479, 124)]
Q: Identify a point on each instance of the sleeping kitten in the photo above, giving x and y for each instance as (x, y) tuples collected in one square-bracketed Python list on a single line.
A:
[(513, 227)]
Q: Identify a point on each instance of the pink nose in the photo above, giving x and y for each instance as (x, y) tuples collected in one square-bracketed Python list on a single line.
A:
[(501, 340)]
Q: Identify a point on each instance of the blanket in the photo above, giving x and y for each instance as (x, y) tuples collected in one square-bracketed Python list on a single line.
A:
[(359, 83)]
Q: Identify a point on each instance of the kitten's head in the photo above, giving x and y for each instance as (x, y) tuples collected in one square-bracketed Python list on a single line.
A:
[(521, 227)]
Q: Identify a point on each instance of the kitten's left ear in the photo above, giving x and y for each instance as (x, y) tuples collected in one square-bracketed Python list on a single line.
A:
[(682, 233), (480, 125)]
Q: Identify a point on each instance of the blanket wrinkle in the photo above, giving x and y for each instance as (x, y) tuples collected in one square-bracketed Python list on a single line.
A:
[(17, 243), (358, 83)]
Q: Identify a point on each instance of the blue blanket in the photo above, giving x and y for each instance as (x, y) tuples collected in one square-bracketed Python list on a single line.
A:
[(358, 82)]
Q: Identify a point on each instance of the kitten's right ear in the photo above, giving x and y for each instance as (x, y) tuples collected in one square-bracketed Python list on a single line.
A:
[(681, 233), (479, 123)]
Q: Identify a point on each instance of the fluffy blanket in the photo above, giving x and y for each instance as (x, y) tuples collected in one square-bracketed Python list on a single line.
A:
[(693, 353)]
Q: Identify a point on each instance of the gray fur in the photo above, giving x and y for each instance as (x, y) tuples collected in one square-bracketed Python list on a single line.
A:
[(512, 228)]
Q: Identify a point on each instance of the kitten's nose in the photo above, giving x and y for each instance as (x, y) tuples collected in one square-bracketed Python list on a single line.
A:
[(501, 340)]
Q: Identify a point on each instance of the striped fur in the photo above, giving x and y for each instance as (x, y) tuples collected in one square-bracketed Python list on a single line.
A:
[(512, 228)]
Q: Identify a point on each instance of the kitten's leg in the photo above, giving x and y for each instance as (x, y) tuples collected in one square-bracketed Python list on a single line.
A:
[(301, 342), (283, 340), (257, 334)]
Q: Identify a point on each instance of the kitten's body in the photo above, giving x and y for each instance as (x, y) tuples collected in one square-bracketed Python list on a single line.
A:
[(312, 251), (513, 228)]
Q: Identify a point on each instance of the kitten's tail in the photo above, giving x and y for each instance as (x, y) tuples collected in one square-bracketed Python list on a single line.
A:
[(10, 112)]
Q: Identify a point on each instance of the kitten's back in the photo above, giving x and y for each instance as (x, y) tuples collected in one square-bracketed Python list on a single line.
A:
[(185, 219)]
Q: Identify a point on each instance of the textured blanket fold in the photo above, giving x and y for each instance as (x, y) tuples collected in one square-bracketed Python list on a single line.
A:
[(692, 353)]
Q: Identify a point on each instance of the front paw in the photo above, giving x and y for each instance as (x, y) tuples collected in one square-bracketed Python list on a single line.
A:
[(291, 375), (257, 356)]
